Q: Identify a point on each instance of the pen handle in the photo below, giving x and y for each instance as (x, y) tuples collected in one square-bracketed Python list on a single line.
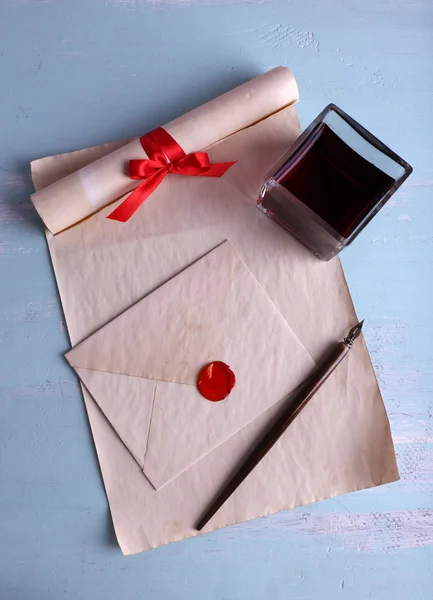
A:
[(315, 382), (307, 391)]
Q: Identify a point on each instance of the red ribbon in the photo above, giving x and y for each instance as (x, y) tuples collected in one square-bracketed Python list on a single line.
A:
[(165, 156)]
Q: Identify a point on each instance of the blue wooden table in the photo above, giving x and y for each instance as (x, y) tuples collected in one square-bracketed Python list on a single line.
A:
[(75, 73)]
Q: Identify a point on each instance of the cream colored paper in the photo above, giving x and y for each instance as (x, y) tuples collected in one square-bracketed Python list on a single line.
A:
[(214, 310), (341, 441)]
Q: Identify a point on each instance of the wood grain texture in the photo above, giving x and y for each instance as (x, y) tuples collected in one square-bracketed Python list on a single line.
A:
[(80, 72)]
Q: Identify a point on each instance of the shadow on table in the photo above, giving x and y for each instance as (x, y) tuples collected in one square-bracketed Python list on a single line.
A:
[(110, 538), (16, 207)]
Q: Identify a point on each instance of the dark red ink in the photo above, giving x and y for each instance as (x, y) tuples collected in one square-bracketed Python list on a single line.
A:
[(215, 381), (334, 181)]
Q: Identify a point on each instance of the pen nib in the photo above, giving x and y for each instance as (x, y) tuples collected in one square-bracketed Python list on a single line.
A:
[(353, 333)]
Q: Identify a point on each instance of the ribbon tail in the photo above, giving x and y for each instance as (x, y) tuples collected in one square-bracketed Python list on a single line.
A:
[(218, 169), (127, 208)]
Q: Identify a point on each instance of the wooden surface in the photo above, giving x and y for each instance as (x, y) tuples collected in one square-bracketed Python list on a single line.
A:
[(80, 72)]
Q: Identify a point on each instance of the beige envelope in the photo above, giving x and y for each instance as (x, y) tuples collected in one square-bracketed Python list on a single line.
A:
[(141, 368)]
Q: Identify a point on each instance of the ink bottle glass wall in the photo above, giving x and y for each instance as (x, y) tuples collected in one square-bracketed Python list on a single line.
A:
[(331, 183)]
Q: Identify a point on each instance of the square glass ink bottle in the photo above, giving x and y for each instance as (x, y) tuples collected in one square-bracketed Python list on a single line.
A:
[(331, 183)]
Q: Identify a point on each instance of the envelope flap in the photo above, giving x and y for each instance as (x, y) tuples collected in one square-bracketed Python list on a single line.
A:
[(169, 334), (127, 403)]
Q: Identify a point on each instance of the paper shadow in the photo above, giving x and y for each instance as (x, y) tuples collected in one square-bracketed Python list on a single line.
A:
[(16, 208), (109, 538)]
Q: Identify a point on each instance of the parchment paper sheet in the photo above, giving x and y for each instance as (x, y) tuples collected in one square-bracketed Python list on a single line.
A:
[(341, 442)]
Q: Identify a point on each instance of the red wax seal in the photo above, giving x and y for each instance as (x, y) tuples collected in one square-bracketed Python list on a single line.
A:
[(215, 381)]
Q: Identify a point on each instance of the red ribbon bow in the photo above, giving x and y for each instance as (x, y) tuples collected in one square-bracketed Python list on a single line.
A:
[(165, 156)]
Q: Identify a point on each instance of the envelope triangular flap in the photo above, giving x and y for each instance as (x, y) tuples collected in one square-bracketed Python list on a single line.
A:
[(172, 331), (127, 403)]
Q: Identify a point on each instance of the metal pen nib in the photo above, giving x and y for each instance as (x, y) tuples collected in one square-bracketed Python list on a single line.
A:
[(353, 334)]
